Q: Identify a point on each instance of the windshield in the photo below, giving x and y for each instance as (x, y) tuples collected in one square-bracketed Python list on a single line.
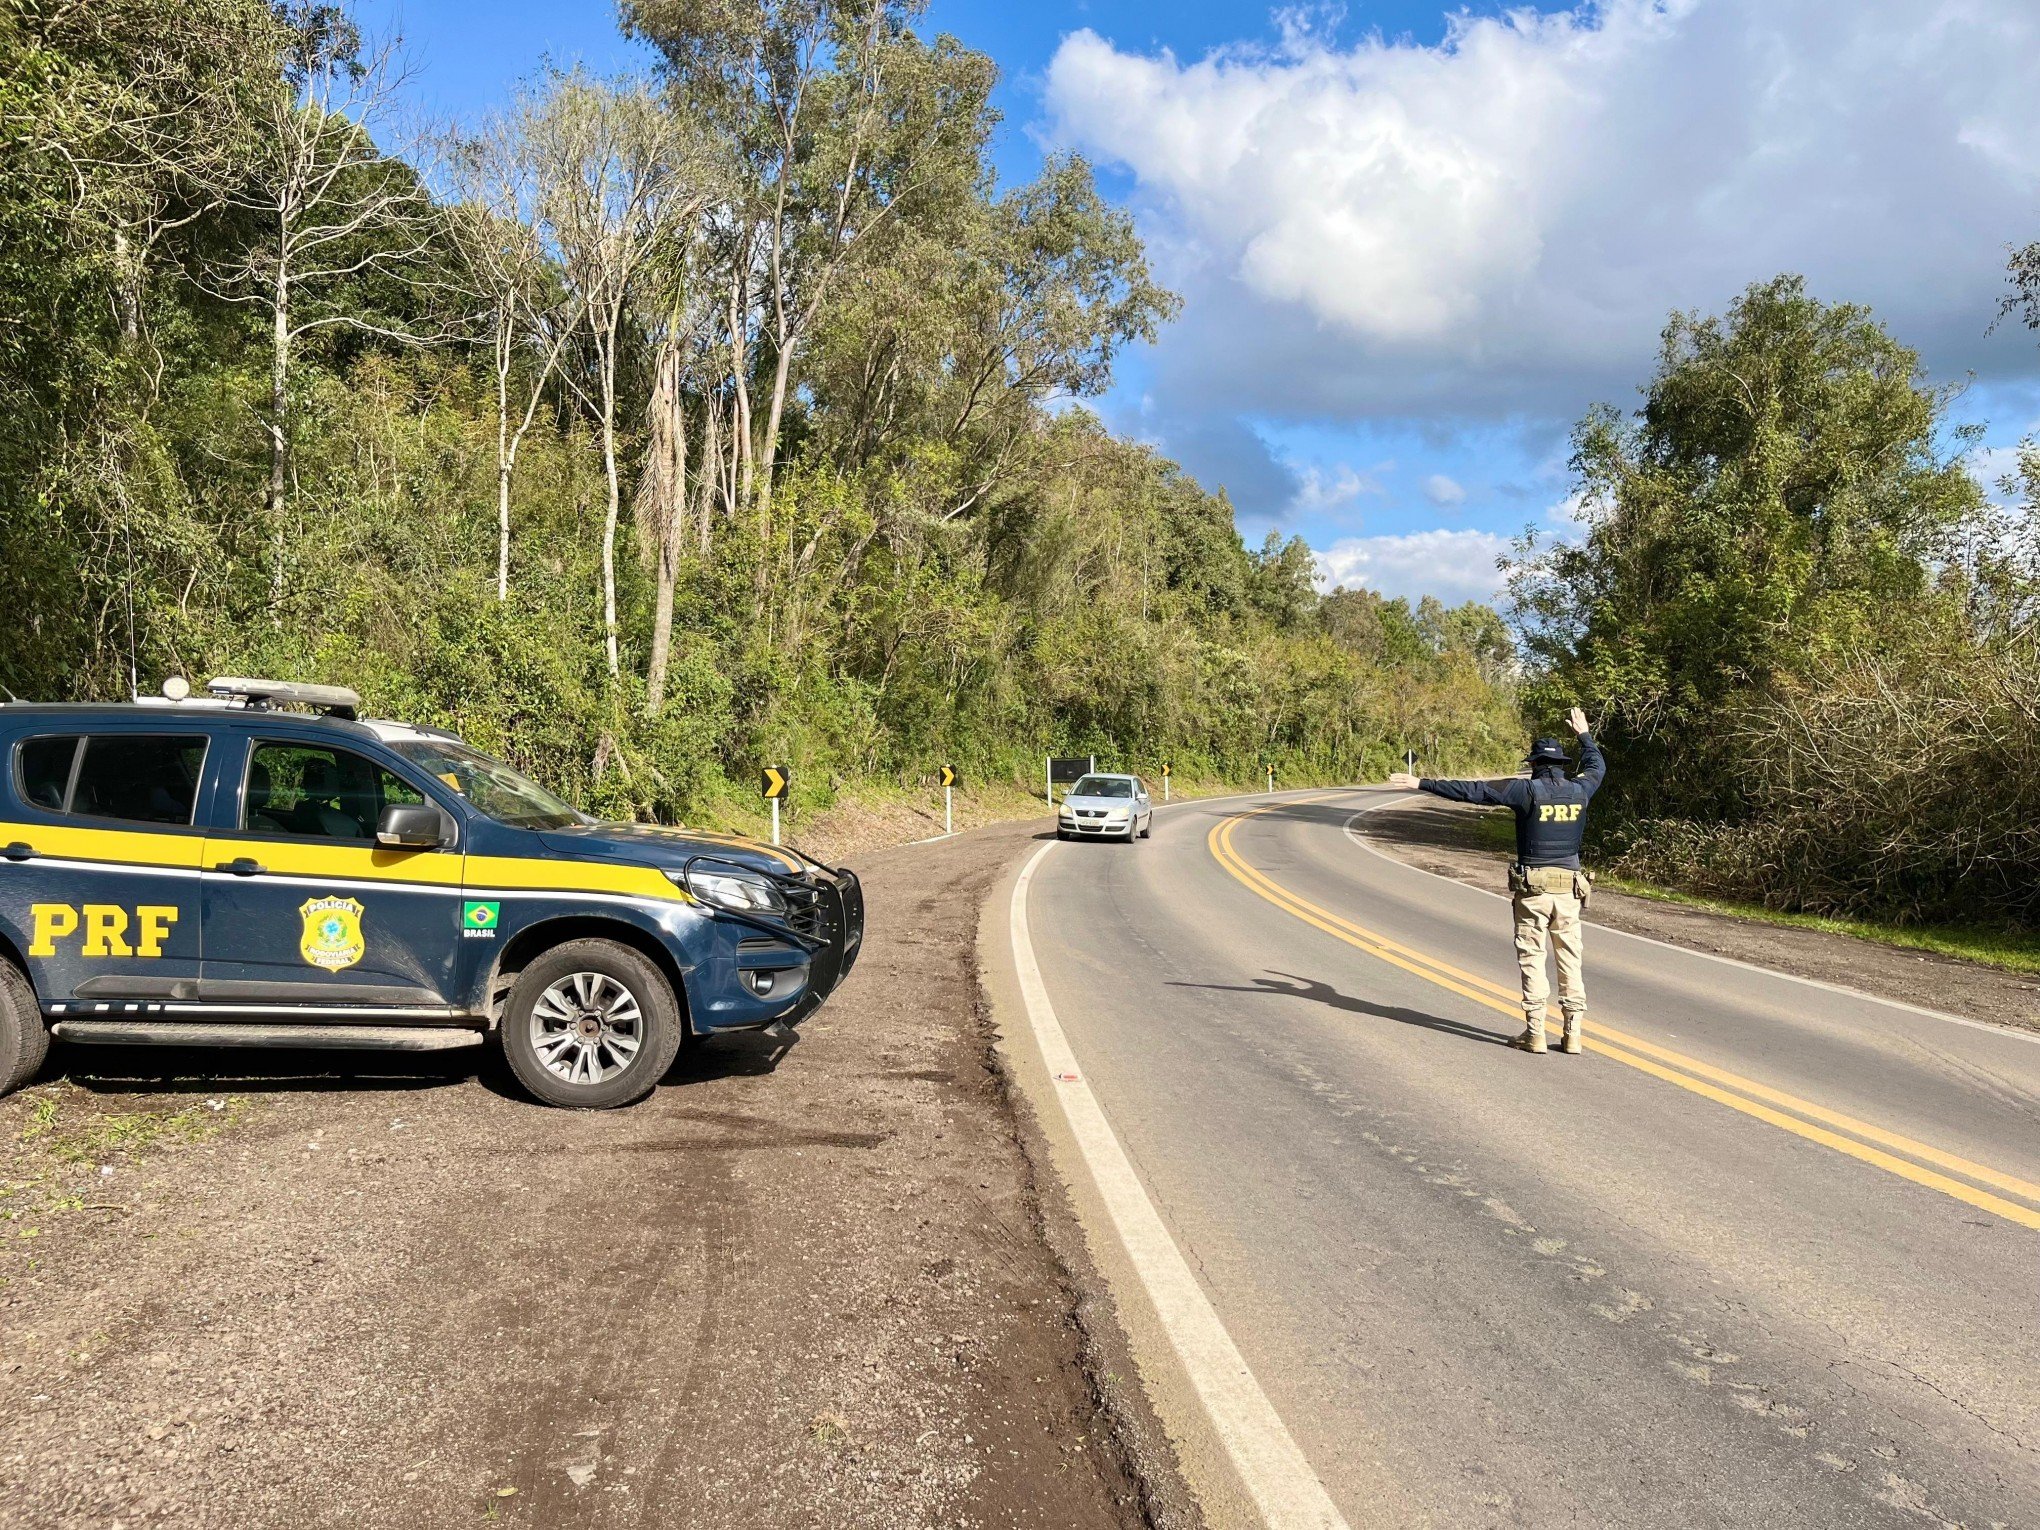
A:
[(504, 794), (1103, 786)]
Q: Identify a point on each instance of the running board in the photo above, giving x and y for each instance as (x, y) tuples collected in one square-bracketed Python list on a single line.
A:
[(214, 1033)]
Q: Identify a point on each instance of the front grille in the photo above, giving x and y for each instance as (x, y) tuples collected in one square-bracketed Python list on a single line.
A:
[(806, 911)]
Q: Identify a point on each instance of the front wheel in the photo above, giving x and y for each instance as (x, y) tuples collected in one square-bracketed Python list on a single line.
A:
[(590, 1025)]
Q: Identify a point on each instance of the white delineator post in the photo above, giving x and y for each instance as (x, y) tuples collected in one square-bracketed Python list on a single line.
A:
[(948, 812), (775, 820)]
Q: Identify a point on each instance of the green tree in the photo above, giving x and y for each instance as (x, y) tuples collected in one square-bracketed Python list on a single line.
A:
[(1782, 498)]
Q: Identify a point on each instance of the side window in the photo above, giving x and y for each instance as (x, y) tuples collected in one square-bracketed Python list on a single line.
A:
[(44, 771), (315, 792), (138, 778)]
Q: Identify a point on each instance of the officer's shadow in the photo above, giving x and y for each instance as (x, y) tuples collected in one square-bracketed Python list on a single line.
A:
[(1326, 994)]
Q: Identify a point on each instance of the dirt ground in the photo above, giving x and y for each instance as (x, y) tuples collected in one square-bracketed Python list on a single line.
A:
[(1444, 839), (799, 1289)]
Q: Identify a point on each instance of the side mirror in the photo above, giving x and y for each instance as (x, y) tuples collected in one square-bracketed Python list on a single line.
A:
[(410, 826)]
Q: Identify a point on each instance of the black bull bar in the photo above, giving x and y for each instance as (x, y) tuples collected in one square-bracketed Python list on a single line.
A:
[(840, 937)]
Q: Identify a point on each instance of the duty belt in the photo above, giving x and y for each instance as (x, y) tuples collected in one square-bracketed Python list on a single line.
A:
[(1543, 879)]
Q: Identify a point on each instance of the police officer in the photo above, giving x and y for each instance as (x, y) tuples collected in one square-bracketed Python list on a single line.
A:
[(1546, 881)]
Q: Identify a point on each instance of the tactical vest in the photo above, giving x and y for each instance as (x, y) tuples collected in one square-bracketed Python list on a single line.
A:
[(1549, 830)]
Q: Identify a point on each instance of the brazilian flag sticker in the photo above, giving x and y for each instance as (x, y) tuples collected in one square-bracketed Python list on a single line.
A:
[(480, 919)]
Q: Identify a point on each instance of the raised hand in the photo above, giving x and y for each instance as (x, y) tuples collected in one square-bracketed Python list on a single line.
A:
[(1402, 781), (1578, 719)]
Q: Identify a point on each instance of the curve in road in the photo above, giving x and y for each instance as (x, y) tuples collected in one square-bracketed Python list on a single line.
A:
[(1486, 1288)]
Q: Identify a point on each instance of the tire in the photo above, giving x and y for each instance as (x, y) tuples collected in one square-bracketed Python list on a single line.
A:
[(24, 1039), (1062, 834), (590, 982), (1147, 830)]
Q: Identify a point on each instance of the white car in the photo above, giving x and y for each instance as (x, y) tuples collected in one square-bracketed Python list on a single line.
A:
[(1106, 807)]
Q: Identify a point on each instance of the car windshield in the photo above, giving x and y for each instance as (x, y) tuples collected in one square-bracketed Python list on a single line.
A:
[(506, 795), (1103, 786)]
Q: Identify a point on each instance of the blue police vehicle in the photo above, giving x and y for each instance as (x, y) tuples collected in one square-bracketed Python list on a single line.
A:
[(261, 868)]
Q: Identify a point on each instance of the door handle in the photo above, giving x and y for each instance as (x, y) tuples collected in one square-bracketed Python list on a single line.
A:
[(19, 852), (243, 867)]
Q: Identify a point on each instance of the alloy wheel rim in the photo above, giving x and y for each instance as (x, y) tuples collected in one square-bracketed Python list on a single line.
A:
[(586, 1028)]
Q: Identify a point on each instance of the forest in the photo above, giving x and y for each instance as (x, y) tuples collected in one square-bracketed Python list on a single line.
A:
[(1806, 629), (661, 426), (651, 429)]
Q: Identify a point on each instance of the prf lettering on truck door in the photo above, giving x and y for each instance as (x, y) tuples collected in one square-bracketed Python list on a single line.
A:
[(102, 929)]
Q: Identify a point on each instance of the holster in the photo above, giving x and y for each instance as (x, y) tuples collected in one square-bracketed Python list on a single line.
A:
[(1583, 886)]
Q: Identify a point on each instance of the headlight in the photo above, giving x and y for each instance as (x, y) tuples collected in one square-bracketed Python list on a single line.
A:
[(741, 892)]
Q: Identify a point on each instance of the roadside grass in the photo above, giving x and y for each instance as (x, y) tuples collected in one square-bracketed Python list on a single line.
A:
[(2012, 950), (63, 1135), (1993, 946), (68, 1135)]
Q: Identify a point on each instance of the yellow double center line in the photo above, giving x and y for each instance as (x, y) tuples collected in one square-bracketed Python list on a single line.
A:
[(1845, 1134)]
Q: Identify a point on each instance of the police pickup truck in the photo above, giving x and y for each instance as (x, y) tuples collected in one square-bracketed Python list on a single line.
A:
[(259, 868)]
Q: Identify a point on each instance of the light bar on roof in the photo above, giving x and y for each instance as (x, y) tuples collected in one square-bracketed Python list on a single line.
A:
[(335, 700)]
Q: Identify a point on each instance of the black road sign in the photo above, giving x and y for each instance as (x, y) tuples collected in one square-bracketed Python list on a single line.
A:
[(1409, 759), (950, 777), (1066, 768), (775, 779)]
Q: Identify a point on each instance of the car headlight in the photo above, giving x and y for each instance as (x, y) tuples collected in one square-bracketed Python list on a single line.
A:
[(741, 892)]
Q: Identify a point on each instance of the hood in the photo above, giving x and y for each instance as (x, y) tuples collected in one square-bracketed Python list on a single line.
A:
[(1098, 802), (650, 844)]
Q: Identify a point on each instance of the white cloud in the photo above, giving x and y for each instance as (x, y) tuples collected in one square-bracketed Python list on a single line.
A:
[(1497, 227), (1444, 492), (1990, 466), (1331, 491), (1453, 565), (1568, 517)]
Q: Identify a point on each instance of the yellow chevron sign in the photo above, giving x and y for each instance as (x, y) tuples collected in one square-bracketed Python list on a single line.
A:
[(949, 775), (776, 779), (1165, 772)]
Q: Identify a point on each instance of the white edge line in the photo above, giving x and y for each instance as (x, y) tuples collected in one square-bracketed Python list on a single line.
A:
[(1711, 956), (1270, 1464)]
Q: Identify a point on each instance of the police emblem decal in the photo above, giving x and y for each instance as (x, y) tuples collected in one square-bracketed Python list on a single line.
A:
[(332, 938)]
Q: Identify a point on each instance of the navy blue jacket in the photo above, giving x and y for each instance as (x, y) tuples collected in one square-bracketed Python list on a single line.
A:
[(1550, 807)]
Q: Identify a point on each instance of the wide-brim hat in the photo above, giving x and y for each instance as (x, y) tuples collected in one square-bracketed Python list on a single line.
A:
[(1549, 751)]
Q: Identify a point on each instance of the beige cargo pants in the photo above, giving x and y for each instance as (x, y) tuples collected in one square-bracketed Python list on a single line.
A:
[(1548, 919)]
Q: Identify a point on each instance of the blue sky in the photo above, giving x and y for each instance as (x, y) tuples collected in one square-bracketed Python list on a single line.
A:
[(1414, 245)]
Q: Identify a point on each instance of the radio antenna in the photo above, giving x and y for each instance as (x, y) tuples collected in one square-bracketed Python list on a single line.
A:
[(127, 526)]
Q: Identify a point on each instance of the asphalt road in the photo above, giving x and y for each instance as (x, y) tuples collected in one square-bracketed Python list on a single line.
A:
[(1768, 1255)]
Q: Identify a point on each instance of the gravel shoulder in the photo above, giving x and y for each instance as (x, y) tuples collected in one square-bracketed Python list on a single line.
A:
[(809, 1288), (1444, 840)]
